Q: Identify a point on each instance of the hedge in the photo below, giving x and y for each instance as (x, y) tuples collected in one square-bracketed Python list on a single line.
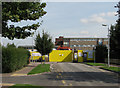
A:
[(100, 53), (14, 58)]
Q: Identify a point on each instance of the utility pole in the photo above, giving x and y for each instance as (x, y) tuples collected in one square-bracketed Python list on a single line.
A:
[(108, 44), (32, 48)]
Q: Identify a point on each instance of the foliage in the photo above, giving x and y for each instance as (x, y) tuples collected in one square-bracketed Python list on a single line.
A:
[(11, 45), (44, 43), (17, 12), (115, 37), (96, 64), (0, 58), (115, 69), (40, 68), (14, 58), (100, 53), (24, 86), (115, 41)]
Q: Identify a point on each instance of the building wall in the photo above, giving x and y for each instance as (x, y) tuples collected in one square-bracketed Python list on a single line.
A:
[(66, 42), (83, 43)]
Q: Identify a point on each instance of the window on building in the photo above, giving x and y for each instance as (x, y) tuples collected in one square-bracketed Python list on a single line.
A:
[(81, 46), (74, 45), (105, 39), (88, 45), (84, 45), (65, 43)]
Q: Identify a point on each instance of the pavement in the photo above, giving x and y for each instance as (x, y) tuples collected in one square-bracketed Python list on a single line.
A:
[(64, 74), (23, 71)]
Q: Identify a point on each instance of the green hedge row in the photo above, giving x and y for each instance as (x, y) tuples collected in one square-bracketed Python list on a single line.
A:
[(14, 58), (101, 53)]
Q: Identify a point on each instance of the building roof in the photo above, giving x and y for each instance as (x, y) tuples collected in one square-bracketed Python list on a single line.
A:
[(84, 38)]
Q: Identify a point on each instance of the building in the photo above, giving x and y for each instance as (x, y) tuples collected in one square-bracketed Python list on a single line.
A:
[(27, 46), (80, 43)]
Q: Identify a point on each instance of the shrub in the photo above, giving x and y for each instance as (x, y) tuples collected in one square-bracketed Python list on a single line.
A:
[(11, 45), (14, 58), (100, 53)]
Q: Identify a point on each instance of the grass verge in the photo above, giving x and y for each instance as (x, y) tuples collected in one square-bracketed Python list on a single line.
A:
[(24, 86), (39, 69), (96, 64), (114, 69)]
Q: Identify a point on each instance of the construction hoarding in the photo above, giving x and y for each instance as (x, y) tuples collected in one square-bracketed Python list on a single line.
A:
[(61, 56), (80, 55)]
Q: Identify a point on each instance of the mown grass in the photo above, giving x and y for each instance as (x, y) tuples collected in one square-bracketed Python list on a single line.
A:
[(115, 69), (40, 69), (96, 64), (24, 86)]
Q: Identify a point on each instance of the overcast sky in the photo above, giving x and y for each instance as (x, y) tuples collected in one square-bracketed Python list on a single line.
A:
[(73, 19)]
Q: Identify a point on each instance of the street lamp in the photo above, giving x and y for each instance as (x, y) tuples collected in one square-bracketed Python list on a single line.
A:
[(108, 44), (94, 48), (33, 37)]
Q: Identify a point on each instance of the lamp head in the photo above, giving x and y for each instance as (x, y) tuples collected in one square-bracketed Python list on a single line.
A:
[(104, 25)]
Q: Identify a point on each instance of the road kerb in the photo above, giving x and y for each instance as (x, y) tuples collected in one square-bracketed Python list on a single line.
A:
[(98, 68), (7, 84), (57, 76), (19, 75), (70, 84), (63, 82)]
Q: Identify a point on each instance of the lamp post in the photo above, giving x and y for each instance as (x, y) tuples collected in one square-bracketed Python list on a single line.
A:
[(33, 37), (94, 48), (32, 45), (108, 44), (32, 48)]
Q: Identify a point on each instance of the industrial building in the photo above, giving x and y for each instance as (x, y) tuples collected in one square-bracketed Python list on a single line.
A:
[(80, 43)]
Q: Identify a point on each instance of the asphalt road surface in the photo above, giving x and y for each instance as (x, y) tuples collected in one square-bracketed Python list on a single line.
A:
[(69, 74)]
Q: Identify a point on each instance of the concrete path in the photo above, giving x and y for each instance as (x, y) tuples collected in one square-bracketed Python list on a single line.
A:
[(23, 71)]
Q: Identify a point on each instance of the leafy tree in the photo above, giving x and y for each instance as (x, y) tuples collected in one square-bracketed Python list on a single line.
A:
[(115, 37), (115, 41), (17, 12), (100, 53), (11, 45), (44, 43)]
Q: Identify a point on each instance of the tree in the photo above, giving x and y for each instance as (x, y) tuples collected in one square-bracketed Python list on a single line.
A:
[(115, 37), (117, 33), (115, 41), (17, 12), (11, 45), (44, 43), (100, 53)]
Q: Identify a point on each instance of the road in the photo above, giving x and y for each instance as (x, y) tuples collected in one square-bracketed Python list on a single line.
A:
[(69, 74)]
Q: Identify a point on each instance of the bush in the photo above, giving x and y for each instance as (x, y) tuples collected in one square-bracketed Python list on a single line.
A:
[(14, 58), (0, 58), (11, 45), (100, 53)]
